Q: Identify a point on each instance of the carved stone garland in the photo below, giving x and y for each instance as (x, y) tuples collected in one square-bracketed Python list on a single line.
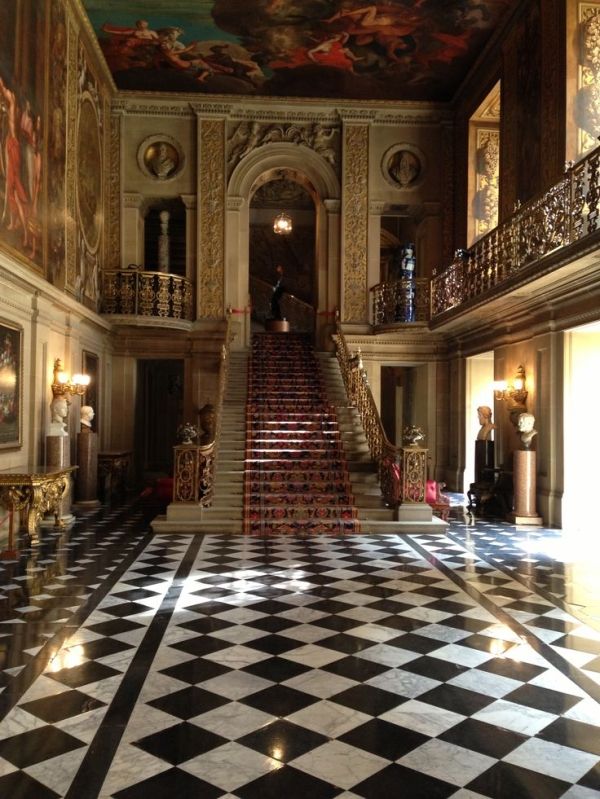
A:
[(355, 213), (212, 216)]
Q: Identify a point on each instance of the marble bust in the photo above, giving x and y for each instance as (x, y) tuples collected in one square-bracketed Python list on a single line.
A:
[(86, 415), (59, 410), (484, 414), (525, 426)]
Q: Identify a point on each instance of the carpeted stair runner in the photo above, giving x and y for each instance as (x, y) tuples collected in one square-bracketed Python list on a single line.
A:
[(296, 477)]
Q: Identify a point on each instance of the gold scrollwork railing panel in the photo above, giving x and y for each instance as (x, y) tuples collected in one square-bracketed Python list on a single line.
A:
[(193, 474), (383, 452), (391, 301), (299, 314), (414, 474), (564, 214), (139, 293)]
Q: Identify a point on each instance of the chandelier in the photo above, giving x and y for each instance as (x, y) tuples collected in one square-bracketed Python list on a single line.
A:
[(282, 224)]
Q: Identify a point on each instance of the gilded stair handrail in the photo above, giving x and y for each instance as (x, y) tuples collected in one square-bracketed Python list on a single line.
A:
[(383, 452)]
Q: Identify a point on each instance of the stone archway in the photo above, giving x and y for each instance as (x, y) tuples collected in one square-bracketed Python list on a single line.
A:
[(317, 175)]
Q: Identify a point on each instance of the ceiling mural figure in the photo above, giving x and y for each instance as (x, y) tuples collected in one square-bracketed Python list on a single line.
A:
[(397, 50)]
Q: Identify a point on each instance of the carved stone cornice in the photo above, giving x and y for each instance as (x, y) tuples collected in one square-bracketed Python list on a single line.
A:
[(279, 115), (190, 201), (150, 108), (377, 207), (332, 206), (132, 199), (209, 110), (358, 116)]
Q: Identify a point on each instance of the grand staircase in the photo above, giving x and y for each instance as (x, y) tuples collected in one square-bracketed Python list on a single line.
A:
[(292, 455)]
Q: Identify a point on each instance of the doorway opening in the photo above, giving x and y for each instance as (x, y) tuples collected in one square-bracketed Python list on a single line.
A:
[(159, 412), (404, 399), (581, 433), (479, 392), (283, 191)]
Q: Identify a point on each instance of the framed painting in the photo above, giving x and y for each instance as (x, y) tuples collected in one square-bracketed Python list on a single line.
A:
[(11, 381), (89, 366)]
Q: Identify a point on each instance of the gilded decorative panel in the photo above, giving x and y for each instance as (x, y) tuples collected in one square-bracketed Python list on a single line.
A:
[(487, 170), (587, 106), (355, 218), (212, 218), (112, 236)]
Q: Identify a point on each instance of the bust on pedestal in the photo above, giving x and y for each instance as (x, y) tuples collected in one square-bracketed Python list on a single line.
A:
[(87, 458), (484, 446), (58, 453), (524, 474)]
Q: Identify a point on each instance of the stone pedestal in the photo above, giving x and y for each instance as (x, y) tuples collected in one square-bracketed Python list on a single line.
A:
[(86, 488), (58, 455), (277, 326), (484, 458), (414, 512), (524, 485)]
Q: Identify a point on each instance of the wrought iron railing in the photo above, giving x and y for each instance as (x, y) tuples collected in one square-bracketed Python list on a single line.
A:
[(299, 314), (139, 293), (563, 215), (391, 301), (398, 485)]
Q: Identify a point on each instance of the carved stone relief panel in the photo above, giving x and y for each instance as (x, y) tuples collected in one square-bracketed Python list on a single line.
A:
[(355, 219), (212, 218)]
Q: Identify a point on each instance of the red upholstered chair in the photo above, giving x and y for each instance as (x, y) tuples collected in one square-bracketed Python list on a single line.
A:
[(439, 502)]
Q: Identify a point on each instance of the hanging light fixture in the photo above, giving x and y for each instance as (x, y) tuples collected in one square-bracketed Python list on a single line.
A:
[(282, 224)]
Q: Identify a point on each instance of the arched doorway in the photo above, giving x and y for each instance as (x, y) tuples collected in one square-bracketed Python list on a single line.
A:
[(317, 176), (274, 192)]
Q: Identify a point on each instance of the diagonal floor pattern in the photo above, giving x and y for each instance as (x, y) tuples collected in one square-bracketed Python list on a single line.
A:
[(330, 666), (296, 475)]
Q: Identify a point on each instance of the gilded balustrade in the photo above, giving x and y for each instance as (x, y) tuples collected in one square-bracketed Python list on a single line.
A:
[(134, 292), (566, 213), (390, 304)]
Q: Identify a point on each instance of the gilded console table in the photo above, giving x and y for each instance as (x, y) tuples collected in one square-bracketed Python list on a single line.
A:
[(36, 490)]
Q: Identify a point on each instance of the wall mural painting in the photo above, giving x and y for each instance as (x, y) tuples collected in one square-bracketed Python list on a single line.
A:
[(89, 183), (57, 143), (329, 48), (22, 79)]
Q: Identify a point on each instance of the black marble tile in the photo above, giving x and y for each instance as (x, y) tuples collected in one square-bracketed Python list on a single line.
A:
[(180, 743), (195, 671), (203, 645), (576, 734), (346, 643), (592, 778), (279, 700), (404, 623), (103, 647), (485, 643), (356, 668), (384, 739), (289, 782), (61, 706), (188, 702), (87, 672), (276, 669), (274, 644), (125, 609), (115, 627), (505, 667), (545, 699), (416, 643), (387, 782), (550, 623), (579, 643), (485, 738), (368, 699), (272, 624), (206, 625), (282, 740), (505, 781), (435, 668), (19, 785), (173, 782), (36, 745)]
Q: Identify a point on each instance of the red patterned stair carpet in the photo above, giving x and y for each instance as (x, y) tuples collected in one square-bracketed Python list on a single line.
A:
[(296, 477)]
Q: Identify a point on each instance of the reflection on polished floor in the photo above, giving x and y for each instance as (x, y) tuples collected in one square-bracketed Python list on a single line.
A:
[(464, 664)]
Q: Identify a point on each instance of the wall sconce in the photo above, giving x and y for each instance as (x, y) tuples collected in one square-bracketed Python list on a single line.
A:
[(62, 384), (282, 224), (514, 394)]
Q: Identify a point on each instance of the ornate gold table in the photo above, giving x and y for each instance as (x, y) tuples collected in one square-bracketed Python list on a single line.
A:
[(37, 490)]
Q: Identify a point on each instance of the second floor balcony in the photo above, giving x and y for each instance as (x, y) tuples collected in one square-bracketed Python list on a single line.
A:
[(137, 293)]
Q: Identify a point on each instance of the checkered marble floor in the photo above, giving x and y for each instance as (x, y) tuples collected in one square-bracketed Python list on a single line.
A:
[(365, 666)]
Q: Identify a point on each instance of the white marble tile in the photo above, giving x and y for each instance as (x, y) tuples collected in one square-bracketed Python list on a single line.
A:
[(239, 634), (130, 765), (580, 792), (6, 767), (236, 657), (558, 761), (485, 682), (403, 683), (41, 688), (523, 653), (313, 655), (347, 585), (422, 717), (574, 656), (519, 718), (167, 656), (364, 614), (446, 761), (104, 690), (235, 684), (328, 718), (304, 615), (18, 721), (232, 720), (308, 633), (146, 720), (85, 725), (157, 684), (240, 615), (57, 773), (587, 711), (388, 655), (340, 764), (216, 766), (463, 655), (555, 681), (464, 793), (439, 632), (374, 632), (425, 614), (320, 683)]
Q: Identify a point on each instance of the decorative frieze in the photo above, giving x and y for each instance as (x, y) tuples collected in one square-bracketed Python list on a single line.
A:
[(355, 211), (212, 218)]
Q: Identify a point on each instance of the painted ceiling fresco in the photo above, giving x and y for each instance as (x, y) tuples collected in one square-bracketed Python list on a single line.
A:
[(347, 49)]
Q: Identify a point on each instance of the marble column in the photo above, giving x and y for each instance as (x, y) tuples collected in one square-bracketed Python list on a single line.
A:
[(86, 490), (524, 469)]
